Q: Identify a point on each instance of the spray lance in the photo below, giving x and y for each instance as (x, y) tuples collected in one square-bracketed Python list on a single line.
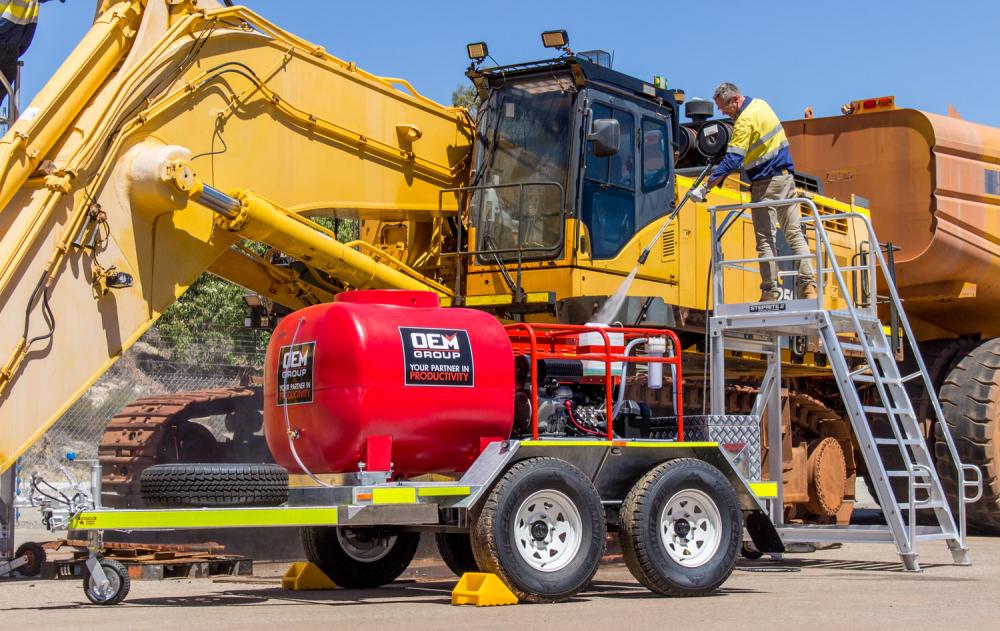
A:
[(610, 308), (675, 211)]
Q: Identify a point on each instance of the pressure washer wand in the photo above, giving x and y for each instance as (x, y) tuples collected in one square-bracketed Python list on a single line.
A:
[(673, 214)]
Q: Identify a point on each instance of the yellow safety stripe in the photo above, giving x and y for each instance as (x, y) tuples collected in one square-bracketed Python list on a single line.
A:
[(505, 299), (203, 518), (442, 491), (764, 489), (615, 443), (395, 495), (674, 445)]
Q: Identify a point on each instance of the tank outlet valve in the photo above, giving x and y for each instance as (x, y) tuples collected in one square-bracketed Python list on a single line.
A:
[(655, 347)]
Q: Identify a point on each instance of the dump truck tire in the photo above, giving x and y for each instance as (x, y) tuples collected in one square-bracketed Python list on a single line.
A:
[(681, 528), (456, 552), (541, 529), (218, 485), (360, 558), (970, 400)]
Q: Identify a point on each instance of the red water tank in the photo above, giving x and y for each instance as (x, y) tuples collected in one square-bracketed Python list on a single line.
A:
[(387, 363)]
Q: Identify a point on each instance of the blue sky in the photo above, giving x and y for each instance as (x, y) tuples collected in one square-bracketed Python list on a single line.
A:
[(792, 53)]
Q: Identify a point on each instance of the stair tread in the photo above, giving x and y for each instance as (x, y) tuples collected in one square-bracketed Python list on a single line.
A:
[(902, 441)]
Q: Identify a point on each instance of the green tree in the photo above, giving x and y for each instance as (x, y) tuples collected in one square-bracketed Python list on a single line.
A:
[(465, 96), (207, 321)]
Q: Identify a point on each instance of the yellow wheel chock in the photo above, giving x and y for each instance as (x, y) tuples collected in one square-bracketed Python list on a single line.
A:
[(482, 590), (303, 576)]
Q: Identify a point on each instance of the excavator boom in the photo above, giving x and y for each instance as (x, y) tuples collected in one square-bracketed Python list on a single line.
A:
[(170, 137)]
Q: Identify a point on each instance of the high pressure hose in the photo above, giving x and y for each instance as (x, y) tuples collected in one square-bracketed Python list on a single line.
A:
[(292, 435), (621, 387)]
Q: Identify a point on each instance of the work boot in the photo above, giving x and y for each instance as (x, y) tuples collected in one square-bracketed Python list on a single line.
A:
[(809, 291), (770, 295)]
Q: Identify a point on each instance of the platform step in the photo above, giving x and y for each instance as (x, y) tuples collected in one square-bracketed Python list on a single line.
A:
[(874, 350), (903, 441), (878, 409), (922, 505)]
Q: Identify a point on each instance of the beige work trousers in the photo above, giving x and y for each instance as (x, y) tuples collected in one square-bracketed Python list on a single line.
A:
[(788, 218)]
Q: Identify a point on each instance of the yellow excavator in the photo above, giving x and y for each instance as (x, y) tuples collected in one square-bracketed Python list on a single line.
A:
[(179, 131)]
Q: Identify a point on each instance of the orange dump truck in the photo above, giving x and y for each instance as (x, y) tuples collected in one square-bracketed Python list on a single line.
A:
[(933, 183)]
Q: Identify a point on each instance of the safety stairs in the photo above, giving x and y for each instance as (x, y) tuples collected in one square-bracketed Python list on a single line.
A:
[(902, 470)]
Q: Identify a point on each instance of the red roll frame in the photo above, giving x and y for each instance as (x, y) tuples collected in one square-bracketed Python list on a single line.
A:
[(548, 341)]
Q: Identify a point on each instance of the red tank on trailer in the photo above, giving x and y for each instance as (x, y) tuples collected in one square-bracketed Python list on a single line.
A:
[(386, 363)]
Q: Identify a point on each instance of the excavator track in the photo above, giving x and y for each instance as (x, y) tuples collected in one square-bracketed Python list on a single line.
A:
[(159, 430)]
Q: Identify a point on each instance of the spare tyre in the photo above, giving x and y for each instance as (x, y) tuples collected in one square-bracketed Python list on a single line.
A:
[(218, 485)]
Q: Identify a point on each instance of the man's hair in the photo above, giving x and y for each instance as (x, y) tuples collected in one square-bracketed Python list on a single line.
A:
[(726, 91)]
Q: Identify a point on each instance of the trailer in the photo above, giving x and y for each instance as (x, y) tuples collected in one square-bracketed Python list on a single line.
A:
[(534, 510)]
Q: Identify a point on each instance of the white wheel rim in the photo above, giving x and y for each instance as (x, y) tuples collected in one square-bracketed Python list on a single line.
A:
[(547, 530), (690, 528), (364, 549), (106, 594)]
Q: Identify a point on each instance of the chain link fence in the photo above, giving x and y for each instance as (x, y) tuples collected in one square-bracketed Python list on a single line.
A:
[(209, 358)]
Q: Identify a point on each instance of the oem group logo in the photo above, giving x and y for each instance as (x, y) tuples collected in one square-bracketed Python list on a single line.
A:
[(435, 345), (437, 357)]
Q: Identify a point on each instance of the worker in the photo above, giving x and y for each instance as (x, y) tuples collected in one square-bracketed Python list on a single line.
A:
[(18, 20), (759, 145)]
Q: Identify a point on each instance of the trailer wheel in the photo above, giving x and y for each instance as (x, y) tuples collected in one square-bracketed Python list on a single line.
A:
[(34, 556), (541, 530), (118, 584), (681, 529), (456, 552), (359, 558), (970, 400), (201, 485)]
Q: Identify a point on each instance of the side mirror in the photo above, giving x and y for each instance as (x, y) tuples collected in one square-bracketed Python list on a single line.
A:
[(606, 134)]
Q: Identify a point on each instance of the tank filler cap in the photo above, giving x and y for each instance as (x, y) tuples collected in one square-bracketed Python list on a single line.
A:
[(393, 297)]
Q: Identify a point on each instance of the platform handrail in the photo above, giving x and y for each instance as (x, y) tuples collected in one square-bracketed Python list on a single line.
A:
[(877, 263)]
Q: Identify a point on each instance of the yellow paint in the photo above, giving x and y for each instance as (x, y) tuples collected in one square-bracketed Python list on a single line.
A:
[(680, 277), (443, 491), (764, 489), (398, 495), (616, 443), (202, 518), (303, 576), (482, 590), (313, 133)]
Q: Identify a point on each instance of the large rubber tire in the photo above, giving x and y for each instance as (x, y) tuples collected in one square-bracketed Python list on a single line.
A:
[(498, 548), (660, 495), (360, 558), (175, 485), (970, 400), (117, 575), (456, 552)]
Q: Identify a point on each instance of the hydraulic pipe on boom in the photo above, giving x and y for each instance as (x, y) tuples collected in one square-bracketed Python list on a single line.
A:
[(258, 219)]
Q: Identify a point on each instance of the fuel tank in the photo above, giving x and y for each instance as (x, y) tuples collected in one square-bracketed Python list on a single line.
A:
[(386, 363)]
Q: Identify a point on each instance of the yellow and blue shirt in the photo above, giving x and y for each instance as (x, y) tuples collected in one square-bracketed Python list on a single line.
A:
[(758, 143)]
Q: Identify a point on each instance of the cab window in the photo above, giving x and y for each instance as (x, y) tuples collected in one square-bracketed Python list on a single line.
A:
[(609, 188)]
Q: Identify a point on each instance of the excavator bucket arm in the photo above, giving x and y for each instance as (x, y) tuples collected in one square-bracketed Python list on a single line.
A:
[(99, 232)]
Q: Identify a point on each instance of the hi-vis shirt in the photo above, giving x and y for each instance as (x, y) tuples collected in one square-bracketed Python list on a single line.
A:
[(758, 144), (21, 12)]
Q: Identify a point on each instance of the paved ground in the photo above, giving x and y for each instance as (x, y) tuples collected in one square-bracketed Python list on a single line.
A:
[(858, 586)]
